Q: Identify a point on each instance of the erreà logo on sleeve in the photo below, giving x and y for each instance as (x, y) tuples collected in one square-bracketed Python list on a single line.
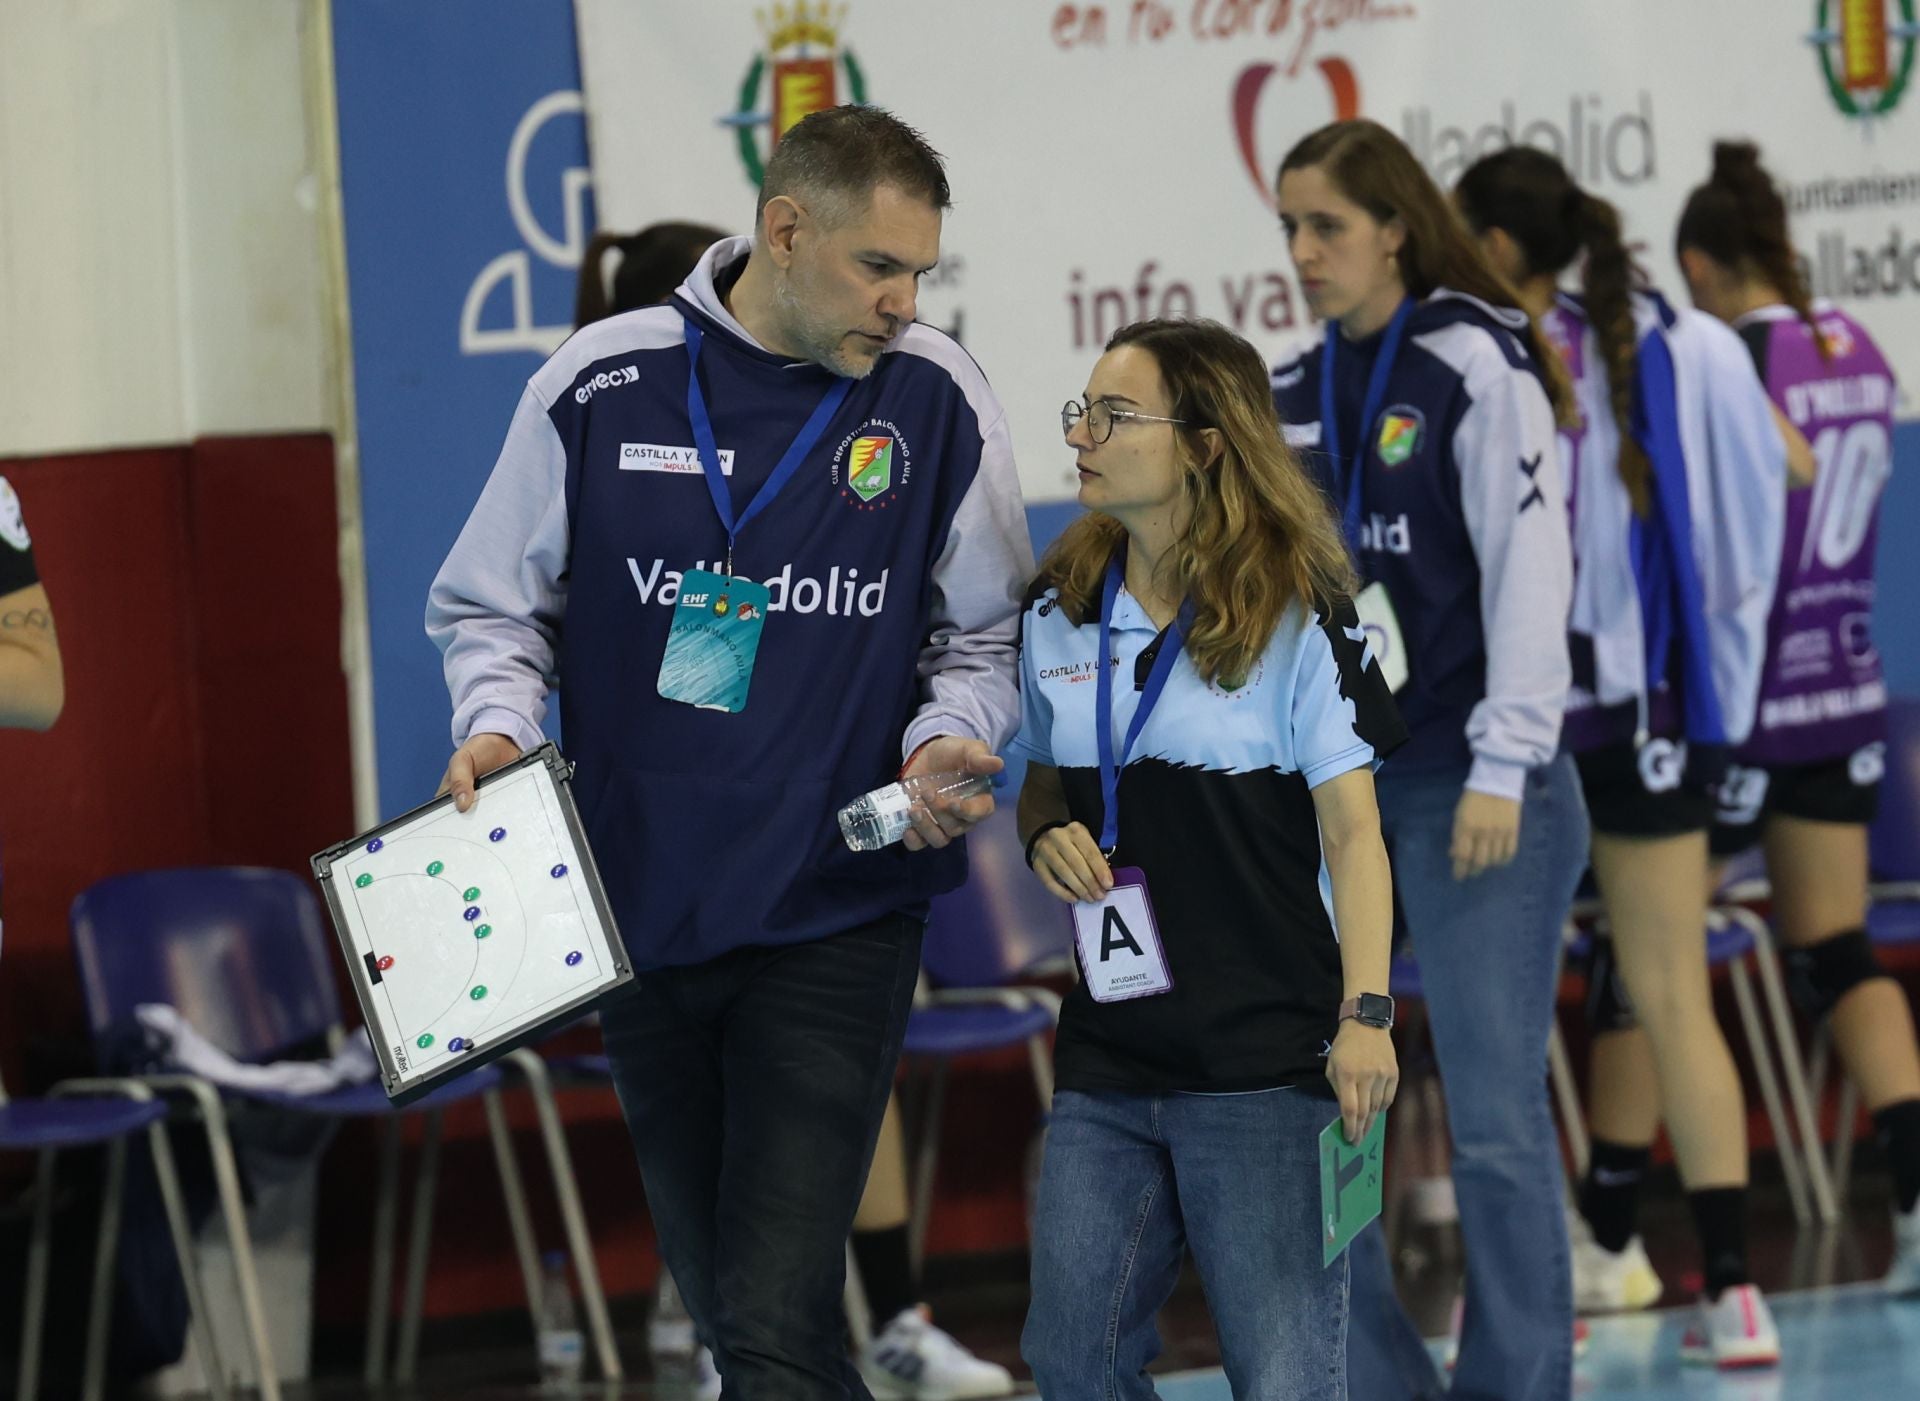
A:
[(842, 594)]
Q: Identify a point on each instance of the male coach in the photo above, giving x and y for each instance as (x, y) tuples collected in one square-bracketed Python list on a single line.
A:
[(781, 435)]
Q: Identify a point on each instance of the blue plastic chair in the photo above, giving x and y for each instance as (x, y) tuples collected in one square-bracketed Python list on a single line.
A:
[(982, 939), (85, 1114), (243, 955)]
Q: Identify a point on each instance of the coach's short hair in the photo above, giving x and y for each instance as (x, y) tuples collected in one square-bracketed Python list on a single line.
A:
[(832, 161)]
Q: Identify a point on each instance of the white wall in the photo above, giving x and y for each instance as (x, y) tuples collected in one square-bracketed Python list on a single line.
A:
[(159, 263)]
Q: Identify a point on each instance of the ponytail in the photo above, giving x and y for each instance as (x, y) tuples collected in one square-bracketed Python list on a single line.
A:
[(590, 298), (1528, 193), (1739, 220), (1608, 279)]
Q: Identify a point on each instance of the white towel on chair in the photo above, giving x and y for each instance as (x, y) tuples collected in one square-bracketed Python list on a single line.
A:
[(174, 1043)]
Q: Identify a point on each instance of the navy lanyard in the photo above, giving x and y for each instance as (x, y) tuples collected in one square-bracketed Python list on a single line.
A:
[(796, 453), (1354, 513), (1149, 697)]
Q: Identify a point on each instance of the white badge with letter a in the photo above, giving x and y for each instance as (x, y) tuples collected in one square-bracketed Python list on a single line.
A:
[(1382, 626), (1119, 942)]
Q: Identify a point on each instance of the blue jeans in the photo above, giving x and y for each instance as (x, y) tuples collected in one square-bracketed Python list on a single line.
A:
[(1129, 1181), (1489, 955), (753, 1086)]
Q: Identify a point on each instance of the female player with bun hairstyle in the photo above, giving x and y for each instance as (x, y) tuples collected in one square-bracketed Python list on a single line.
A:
[(1428, 412), (1805, 786), (1677, 479)]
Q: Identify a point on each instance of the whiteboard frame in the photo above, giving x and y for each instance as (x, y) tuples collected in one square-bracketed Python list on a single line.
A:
[(404, 1089)]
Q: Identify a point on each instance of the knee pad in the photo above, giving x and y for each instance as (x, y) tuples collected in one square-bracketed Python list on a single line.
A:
[(1608, 1006), (1819, 975)]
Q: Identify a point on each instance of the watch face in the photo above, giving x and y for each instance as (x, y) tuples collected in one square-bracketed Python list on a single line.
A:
[(1375, 1010)]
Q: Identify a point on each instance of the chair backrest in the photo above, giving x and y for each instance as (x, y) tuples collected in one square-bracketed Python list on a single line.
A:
[(1895, 834), (1002, 921), (241, 952)]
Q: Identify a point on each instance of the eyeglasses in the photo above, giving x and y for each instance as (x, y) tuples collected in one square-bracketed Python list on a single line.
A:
[(1101, 417)]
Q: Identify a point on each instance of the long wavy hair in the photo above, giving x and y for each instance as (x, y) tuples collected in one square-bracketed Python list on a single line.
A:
[(1739, 220), (1529, 194), (1259, 533), (1373, 168)]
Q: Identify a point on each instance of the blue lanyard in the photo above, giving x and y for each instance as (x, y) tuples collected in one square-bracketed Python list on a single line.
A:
[(796, 453), (1149, 697), (1354, 514)]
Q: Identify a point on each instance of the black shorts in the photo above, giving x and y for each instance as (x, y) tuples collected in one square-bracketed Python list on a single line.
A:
[(1844, 789), (1643, 792)]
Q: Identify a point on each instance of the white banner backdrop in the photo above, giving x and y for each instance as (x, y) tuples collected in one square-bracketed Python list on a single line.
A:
[(1113, 161)]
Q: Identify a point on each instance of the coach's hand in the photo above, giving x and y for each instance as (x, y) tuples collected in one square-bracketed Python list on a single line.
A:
[(939, 824), (478, 757)]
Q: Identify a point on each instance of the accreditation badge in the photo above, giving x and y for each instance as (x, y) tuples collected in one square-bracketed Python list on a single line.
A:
[(1382, 626), (1118, 940), (713, 640)]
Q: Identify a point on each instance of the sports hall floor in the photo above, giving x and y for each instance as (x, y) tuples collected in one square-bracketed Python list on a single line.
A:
[(1842, 1339)]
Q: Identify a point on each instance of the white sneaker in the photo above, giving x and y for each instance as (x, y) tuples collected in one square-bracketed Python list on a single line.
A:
[(911, 1360), (1734, 1331), (706, 1377), (1610, 1281), (1903, 1276)]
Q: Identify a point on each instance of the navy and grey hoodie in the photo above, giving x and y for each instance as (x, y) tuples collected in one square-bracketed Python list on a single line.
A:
[(893, 616), (1465, 526)]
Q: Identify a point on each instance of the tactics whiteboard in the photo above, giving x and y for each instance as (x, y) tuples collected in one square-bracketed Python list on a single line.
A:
[(469, 934)]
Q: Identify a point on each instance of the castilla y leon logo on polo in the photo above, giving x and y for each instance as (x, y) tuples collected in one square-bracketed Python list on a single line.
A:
[(1855, 42), (807, 58), (872, 465)]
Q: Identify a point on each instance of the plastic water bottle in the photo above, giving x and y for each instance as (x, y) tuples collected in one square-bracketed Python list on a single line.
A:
[(881, 818), (670, 1339), (562, 1350)]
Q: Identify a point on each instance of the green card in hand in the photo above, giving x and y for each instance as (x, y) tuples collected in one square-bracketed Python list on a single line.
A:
[(1350, 1178)]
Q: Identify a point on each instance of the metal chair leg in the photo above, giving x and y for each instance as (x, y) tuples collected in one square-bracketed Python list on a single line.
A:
[(854, 1299), (233, 1211), (1790, 1163), (420, 1241), (1774, 987), (1567, 1094), (181, 1230), (573, 1216), (100, 1306), (921, 1207), (1842, 1170), (519, 1222), (33, 1310), (386, 1208)]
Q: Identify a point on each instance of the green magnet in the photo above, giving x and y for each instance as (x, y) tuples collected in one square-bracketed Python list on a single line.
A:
[(478, 992), (482, 931), (425, 1041), (364, 882), (435, 868), (473, 893)]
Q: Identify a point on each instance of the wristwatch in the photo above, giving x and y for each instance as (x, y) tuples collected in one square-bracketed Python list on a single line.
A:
[(1369, 1009)]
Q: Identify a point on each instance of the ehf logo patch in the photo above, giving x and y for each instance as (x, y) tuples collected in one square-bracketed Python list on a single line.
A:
[(1400, 430), (872, 465)]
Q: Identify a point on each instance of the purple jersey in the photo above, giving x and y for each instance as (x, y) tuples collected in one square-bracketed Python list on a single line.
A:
[(1822, 694)]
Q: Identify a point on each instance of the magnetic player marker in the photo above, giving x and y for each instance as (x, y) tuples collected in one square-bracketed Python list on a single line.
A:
[(472, 913), (363, 881), (386, 962), (425, 1040), (558, 871), (479, 991), (434, 868), (473, 893), (497, 834), (573, 959), (456, 1044), (481, 931), (375, 844)]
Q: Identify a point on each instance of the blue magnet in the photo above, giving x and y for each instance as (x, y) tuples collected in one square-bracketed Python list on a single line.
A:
[(557, 872), (473, 913), (375, 844), (573, 958), (497, 834)]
